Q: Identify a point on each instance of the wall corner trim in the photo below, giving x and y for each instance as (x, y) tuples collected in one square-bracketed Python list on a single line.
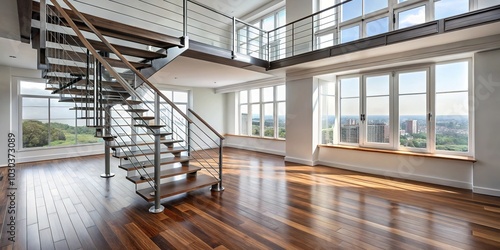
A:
[(486, 191), (301, 161)]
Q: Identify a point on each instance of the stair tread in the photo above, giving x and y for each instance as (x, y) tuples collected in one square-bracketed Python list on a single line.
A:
[(153, 126), (165, 174), (146, 118), (179, 186), (146, 134), (149, 164), (137, 110), (104, 101), (127, 153), (142, 143)]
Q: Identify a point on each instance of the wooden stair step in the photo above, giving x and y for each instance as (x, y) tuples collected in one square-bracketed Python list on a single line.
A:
[(121, 31), (162, 134), (150, 126), (149, 164), (165, 174), (74, 70), (107, 137), (119, 64), (137, 110), (145, 118), (127, 154), (84, 108), (82, 57), (179, 186), (111, 101), (129, 51), (142, 143), (132, 102), (84, 92)]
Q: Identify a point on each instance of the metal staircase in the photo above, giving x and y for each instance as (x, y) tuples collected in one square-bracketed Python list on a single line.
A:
[(165, 150)]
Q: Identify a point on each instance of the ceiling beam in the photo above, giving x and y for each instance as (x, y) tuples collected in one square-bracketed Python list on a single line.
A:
[(24, 8)]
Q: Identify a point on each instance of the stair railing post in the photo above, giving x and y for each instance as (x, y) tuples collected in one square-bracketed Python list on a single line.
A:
[(234, 37), (157, 207), (107, 144), (189, 138), (96, 94), (218, 187), (185, 17)]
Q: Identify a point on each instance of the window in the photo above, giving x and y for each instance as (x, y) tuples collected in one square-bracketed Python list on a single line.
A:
[(411, 17), (486, 3), (409, 110), (452, 107), (46, 122), (447, 8), (262, 112), (377, 26), (253, 41), (349, 34)]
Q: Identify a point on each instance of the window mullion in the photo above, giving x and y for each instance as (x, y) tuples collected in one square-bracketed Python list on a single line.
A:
[(431, 112)]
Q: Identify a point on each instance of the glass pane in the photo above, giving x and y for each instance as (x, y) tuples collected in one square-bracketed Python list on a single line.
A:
[(349, 87), (452, 77), (268, 94), (33, 88), (281, 18), (452, 121), (269, 120), (180, 97), (167, 93), (377, 26), (349, 34), (351, 10), (242, 40), (413, 82), (256, 119), (255, 95), (86, 135), (349, 120), (268, 23), (325, 41), (327, 116), (62, 124), (377, 85), (412, 121), (35, 122), (411, 17), (281, 93), (282, 120), (377, 119), (487, 3), (244, 120), (243, 96), (447, 8), (374, 5)]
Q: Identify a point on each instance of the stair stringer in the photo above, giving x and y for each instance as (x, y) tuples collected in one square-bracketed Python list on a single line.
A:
[(158, 64)]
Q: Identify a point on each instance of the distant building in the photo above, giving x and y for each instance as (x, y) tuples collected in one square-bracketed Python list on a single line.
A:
[(377, 133), (349, 133), (411, 127)]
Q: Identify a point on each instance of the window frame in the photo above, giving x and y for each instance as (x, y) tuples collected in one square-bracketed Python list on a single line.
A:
[(430, 99), (261, 104)]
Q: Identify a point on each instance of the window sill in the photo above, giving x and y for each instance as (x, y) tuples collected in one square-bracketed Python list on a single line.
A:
[(256, 137), (438, 156)]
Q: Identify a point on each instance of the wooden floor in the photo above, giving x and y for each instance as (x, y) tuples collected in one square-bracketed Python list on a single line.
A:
[(267, 204)]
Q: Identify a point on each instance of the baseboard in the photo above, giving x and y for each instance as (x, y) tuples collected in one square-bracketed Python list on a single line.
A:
[(413, 177), (300, 161), (487, 191), (58, 156), (261, 150), (3, 166)]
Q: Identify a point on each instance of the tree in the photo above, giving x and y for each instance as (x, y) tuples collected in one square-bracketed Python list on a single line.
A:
[(35, 134)]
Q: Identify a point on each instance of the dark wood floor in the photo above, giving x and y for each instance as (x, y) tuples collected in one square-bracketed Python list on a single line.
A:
[(267, 204)]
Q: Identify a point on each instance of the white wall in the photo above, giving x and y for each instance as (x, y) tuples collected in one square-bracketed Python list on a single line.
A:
[(432, 170), (301, 121), (210, 106), (487, 122)]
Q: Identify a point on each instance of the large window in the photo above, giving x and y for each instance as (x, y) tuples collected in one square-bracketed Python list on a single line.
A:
[(410, 110), (46, 122), (251, 40), (262, 112)]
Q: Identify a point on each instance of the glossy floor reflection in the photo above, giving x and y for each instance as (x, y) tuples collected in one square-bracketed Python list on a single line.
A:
[(267, 204)]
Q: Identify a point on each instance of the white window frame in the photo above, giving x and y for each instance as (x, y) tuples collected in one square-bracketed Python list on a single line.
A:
[(394, 143)]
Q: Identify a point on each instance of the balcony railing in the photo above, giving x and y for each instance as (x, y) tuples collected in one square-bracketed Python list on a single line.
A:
[(210, 26)]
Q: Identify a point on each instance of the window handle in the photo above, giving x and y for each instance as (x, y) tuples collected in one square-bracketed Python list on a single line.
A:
[(429, 116)]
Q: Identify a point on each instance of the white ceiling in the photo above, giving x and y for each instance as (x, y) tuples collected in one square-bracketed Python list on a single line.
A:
[(17, 54), (184, 71), (237, 8)]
